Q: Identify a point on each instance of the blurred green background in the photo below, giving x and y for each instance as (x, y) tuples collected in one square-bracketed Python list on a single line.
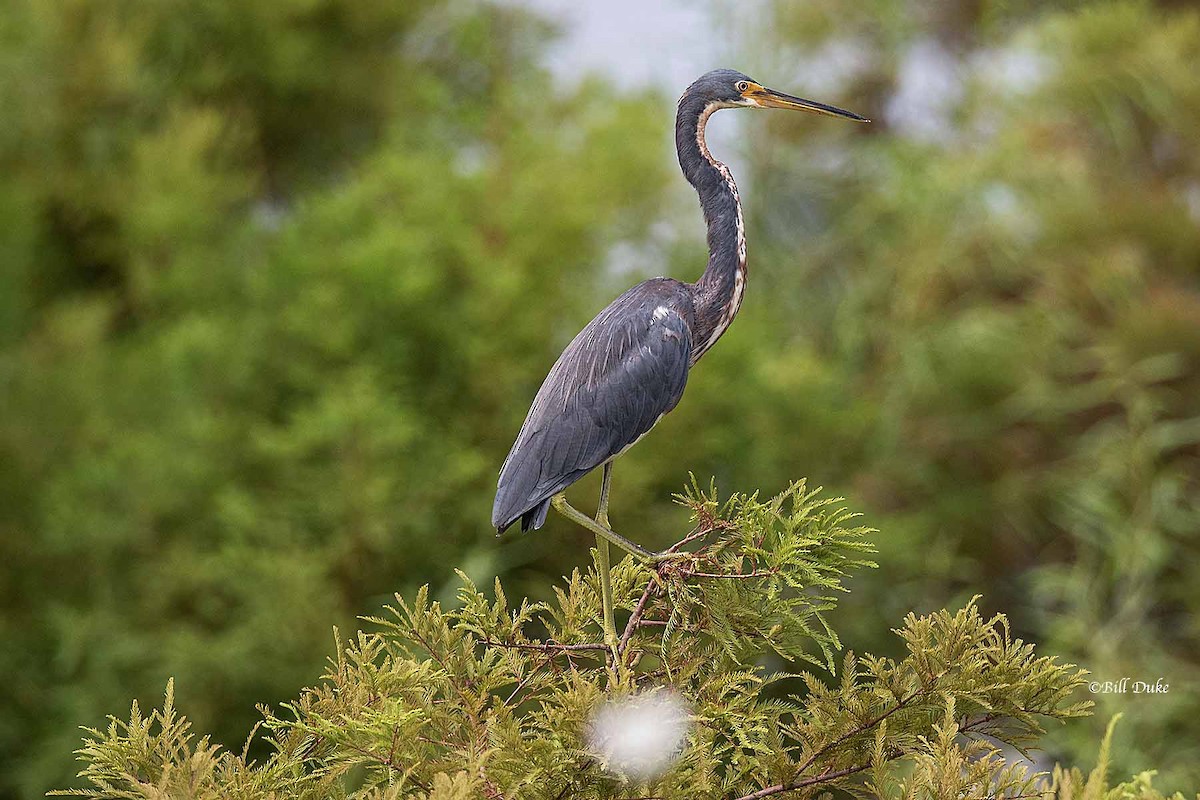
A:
[(279, 279)]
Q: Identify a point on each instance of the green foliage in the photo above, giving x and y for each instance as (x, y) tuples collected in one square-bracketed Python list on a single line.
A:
[(488, 698), (1072, 784)]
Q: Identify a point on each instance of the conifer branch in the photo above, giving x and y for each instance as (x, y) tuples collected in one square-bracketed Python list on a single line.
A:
[(468, 702), (635, 618), (546, 647), (861, 729), (730, 575), (804, 784)]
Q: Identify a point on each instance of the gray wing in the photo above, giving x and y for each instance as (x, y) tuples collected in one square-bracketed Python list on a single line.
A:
[(610, 386)]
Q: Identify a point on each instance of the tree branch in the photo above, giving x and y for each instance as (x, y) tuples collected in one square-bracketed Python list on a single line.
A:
[(792, 786), (754, 574), (636, 617), (700, 532), (545, 647), (866, 726)]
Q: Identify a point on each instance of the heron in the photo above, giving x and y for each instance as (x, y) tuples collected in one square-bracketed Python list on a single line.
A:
[(628, 367)]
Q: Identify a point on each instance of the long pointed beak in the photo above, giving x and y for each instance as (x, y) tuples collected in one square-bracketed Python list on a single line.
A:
[(769, 98)]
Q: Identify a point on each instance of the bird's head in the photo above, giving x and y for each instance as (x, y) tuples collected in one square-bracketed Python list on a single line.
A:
[(728, 88)]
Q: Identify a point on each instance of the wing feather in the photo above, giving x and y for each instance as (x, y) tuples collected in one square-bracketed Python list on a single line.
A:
[(624, 371)]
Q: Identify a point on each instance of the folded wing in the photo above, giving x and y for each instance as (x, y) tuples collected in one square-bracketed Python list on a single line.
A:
[(610, 386)]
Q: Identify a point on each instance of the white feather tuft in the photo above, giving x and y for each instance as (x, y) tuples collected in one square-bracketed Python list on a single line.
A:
[(640, 736)]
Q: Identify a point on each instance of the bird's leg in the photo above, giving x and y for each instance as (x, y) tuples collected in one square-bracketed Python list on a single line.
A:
[(604, 566), (560, 504), (605, 486)]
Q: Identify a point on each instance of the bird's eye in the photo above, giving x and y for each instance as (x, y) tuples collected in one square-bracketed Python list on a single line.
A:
[(742, 86)]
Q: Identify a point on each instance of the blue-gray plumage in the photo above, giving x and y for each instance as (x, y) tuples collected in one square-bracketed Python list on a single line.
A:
[(628, 366), (613, 382)]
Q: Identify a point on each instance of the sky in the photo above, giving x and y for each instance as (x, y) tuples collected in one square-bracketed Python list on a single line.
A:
[(669, 43), (634, 42)]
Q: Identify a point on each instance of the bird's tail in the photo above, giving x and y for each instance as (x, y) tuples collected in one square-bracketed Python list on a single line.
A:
[(512, 505), (535, 517)]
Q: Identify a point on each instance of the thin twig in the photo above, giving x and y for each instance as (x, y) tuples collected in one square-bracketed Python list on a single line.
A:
[(700, 532), (636, 616), (965, 726), (521, 685), (824, 777), (864, 727), (547, 647), (755, 574)]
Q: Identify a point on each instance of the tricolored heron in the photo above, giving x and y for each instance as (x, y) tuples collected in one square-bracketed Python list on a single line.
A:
[(629, 365)]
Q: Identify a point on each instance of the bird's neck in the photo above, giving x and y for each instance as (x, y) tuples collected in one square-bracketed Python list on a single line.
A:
[(719, 290)]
